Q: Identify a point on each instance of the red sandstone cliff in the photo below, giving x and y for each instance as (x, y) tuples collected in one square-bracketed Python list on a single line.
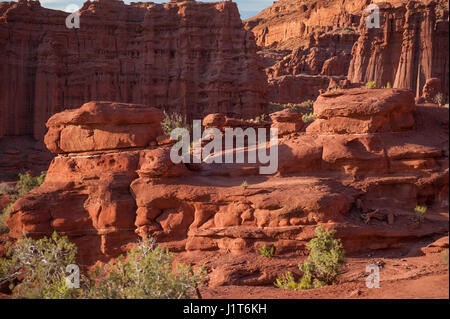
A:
[(190, 57), (410, 47), (316, 37)]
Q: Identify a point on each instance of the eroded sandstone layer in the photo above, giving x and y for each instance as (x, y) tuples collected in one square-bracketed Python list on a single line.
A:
[(190, 57), (363, 181), (332, 38)]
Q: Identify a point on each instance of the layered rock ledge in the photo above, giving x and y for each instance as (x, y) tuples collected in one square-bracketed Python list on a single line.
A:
[(365, 184)]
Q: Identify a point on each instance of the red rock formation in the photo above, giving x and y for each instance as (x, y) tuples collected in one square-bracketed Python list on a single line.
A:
[(103, 199), (190, 57), (363, 111), (410, 46), (287, 22)]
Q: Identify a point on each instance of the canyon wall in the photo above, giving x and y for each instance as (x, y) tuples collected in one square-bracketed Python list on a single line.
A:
[(189, 57), (332, 38), (410, 47)]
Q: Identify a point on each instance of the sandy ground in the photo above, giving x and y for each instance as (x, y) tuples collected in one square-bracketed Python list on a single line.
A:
[(424, 277)]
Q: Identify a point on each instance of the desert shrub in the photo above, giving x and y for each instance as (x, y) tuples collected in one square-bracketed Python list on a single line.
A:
[(6, 189), (287, 281), (370, 85), (326, 258), (445, 105), (26, 183), (172, 121), (145, 272), (3, 217), (322, 267), (439, 99), (419, 213), (41, 265), (244, 185), (335, 88), (307, 118), (266, 252), (261, 118)]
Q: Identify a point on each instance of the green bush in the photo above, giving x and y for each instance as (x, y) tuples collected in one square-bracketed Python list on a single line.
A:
[(42, 264), (286, 281), (370, 85), (266, 252), (387, 86), (3, 217), (25, 184), (244, 185), (326, 258), (6, 189), (173, 121), (307, 118), (419, 213), (146, 272), (323, 265)]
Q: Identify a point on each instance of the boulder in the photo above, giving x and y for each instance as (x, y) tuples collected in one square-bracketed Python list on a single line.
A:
[(97, 126), (362, 110)]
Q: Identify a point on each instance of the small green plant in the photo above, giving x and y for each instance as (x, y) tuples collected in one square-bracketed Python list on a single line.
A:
[(326, 258), (419, 213), (145, 272), (172, 121), (41, 266), (439, 99), (307, 118), (387, 86), (444, 256), (37, 269), (244, 185), (323, 265), (370, 85), (266, 252), (25, 184), (3, 217), (446, 105), (6, 189)]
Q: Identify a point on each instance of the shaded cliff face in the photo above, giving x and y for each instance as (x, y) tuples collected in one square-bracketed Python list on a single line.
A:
[(287, 24), (189, 57), (410, 47)]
